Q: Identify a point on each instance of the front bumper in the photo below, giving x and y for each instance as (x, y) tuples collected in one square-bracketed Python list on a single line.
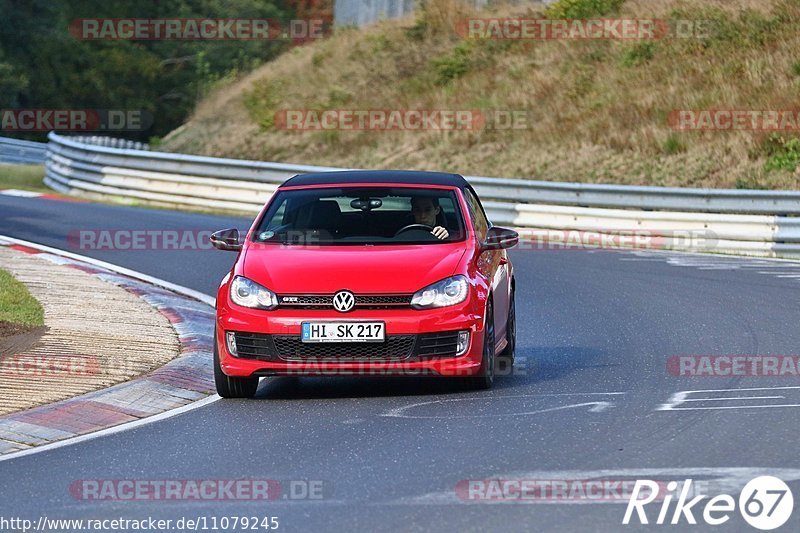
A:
[(285, 324)]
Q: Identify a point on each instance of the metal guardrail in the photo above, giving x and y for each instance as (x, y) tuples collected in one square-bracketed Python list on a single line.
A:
[(740, 221), (17, 151), (111, 142), (642, 197)]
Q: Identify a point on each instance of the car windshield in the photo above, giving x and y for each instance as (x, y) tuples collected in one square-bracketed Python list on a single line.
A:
[(362, 215)]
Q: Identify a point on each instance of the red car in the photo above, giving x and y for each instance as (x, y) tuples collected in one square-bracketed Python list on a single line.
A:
[(366, 273)]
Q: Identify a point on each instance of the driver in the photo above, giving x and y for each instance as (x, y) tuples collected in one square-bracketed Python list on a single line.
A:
[(425, 209)]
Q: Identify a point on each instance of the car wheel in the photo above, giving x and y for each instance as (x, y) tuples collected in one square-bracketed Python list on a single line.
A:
[(485, 379), (506, 357), (232, 387)]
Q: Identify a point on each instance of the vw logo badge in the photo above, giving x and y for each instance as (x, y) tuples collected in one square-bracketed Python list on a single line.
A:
[(343, 301)]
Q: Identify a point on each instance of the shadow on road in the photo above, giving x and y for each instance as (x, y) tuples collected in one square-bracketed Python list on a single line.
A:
[(532, 365)]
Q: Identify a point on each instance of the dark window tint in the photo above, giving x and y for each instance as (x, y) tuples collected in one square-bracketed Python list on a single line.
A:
[(361, 215)]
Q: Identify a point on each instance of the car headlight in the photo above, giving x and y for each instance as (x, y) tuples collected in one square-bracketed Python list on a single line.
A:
[(450, 291), (248, 293)]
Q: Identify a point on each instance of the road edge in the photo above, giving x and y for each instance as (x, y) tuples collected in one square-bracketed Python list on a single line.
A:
[(180, 386)]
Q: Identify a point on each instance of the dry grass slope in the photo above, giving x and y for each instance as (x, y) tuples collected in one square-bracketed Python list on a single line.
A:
[(598, 109)]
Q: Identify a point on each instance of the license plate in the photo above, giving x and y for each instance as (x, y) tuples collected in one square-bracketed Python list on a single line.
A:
[(343, 332)]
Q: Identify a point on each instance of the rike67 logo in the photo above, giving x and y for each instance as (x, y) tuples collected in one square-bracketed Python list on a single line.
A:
[(765, 503)]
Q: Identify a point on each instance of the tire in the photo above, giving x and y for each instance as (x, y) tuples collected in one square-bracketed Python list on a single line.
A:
[(485, 379), (505, 360), (232, 387)]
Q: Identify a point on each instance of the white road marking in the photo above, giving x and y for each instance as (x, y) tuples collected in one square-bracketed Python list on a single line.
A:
[(682, 397), (738, 398), (699, 256), (23, 194), (775, 267), (596, 406), (720, 407)]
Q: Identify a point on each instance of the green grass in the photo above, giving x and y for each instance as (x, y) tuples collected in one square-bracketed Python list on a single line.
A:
[(24, 177), (16, 303)]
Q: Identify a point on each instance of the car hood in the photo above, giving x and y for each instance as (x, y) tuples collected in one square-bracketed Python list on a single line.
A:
[(361, 269)]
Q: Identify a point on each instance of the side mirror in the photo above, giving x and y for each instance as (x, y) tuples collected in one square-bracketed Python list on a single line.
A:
[(226, 239), (498, 238)]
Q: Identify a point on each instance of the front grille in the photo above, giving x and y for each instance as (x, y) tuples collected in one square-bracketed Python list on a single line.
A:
[(389, 300), (395, 348), (363, 301)]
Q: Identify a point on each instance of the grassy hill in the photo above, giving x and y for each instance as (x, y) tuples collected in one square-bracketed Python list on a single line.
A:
[(597, 111)]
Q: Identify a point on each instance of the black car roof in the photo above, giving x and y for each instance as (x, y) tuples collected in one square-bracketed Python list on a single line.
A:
[(409, 177)]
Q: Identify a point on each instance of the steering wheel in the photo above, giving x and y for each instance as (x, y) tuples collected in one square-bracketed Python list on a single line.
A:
[(413, 227)]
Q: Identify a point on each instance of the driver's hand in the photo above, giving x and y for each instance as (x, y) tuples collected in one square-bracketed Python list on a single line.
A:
[(440, 233)]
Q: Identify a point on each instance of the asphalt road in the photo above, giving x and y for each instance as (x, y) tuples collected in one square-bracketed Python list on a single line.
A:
[(596, 329)]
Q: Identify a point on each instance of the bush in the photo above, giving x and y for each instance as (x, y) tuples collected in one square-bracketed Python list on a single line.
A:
[(638, 54), (750, 181), (673, 145), (453, 65), (786, 156), (263, 102)]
